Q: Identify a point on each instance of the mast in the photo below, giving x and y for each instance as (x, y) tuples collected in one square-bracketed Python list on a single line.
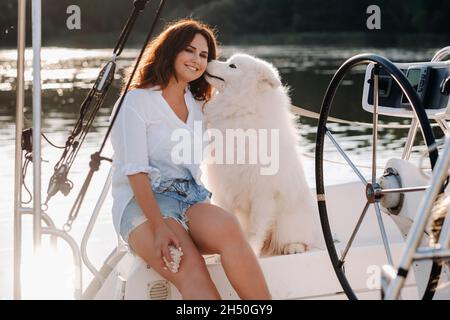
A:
[(20, 99), (37, 110)]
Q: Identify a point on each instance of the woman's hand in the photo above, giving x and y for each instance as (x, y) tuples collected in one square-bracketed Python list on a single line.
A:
[(164, 237)]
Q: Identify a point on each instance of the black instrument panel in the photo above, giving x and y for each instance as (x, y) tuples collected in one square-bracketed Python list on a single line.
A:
[(430, 80)]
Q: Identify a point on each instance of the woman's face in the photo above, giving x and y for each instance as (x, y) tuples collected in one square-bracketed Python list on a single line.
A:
[(191, 62)]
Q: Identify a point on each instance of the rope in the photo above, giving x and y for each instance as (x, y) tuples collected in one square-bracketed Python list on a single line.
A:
[(28, 159), (51, 143), (313, 115), (438, 214)]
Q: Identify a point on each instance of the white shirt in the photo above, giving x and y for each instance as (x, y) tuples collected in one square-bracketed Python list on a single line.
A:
[(142, 138)]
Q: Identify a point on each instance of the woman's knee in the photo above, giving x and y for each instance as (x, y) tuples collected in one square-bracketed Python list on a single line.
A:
[(230, 236), (214, 229)]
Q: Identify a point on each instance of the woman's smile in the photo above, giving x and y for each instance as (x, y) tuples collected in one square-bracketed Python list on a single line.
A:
[(191, 68)]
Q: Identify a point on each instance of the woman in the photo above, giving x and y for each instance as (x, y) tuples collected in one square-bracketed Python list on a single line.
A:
[(149, 187)]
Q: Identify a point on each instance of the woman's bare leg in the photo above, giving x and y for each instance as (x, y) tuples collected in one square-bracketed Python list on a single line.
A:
[(192, 279), (217, 231)]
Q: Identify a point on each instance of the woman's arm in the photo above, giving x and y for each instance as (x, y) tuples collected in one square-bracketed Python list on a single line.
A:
[(163, 236), (140, 184)]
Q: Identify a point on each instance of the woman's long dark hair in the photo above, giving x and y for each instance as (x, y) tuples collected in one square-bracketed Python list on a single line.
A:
[(157, 64)]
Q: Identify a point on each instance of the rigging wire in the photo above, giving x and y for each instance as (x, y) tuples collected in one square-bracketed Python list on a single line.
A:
[(96, 157), (51, 143), (59, 181), (28, 159)]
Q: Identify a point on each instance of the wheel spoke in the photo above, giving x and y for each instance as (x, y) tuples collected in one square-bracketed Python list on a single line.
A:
[(410, 139), (404, 190), (355, 231), (383, 233), (376, 72), (443, 125), (344, 155)]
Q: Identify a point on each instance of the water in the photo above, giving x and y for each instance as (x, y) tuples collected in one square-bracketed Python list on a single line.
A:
[(67, 76)]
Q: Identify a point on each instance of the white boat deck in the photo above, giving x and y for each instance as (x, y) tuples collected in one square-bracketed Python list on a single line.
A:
[(301, 276)]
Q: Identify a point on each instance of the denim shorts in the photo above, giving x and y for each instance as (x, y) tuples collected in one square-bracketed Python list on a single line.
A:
[(171, 205)]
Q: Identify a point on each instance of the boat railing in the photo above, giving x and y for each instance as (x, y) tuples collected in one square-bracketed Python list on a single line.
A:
[(90, 227), (441, 54), (394, 279)]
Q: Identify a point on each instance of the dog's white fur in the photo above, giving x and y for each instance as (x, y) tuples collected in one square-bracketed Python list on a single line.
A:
[(278, 212)]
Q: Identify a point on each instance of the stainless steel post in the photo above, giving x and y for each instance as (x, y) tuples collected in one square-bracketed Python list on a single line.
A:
[(20, 100), (36, 39)]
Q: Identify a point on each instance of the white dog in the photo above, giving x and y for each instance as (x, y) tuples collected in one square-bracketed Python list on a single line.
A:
[(275, 207)]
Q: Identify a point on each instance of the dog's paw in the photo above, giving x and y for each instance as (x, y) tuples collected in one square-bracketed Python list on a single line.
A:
[(293, 248)]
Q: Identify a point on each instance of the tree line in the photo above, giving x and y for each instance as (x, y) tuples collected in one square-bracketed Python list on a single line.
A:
[(234, 18)]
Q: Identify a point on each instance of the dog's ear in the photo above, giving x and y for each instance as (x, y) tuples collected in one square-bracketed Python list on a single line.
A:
[(269, 75)]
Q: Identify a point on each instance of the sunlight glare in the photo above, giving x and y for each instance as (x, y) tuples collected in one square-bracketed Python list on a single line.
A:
[(47, 275)]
